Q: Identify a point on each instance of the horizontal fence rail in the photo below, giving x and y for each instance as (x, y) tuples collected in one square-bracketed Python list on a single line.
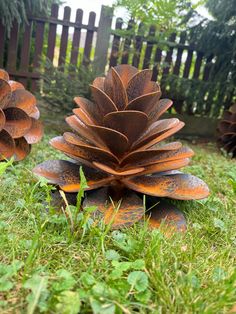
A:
[(184, 73)]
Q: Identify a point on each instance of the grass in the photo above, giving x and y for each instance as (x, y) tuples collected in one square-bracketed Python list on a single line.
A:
[(44, 268)]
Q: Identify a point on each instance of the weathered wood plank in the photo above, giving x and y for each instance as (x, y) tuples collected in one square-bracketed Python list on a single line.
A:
[(25, 51), (52, 33), (138, 46), (12, 47), (76, 37), (89, 39), (115, 44), (103, 37), (64, 37), (169, 54), (127, 43), (179, 54), (148, 52)]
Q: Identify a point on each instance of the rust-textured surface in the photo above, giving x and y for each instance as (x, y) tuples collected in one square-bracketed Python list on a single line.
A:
[(227, 131), (19, 125), (118, 138)]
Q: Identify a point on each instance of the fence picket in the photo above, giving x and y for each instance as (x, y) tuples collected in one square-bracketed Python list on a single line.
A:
[(116, 44), (12, 48), (157, 61), (52, 33), (64, 36), (138, 46), (148, 52), (76, 37), (179, 54), (89, 38), (127, 43)]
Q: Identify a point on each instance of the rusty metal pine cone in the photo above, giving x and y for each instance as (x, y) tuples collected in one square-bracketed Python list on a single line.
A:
[(227, 131), (19, 125), (118, 139)]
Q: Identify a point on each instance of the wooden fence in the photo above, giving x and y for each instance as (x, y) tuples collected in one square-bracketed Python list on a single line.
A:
[(80, 43)]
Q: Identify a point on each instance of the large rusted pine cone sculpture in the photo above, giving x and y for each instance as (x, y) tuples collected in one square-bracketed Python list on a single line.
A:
[(118, 140), (227, 131), (19, 125)]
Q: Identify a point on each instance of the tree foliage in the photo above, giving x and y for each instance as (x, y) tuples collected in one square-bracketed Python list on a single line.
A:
[(18, 9), (166, 15)]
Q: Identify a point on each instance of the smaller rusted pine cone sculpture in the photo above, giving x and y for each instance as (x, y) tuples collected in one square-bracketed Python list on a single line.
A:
[(19, 125), (117, 138), (227, 131)]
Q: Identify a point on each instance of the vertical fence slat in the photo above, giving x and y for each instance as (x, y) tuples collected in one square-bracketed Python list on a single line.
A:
[(169, 54), (52, 33), (2, 43), (157, 61), (103, 36), (38, 48), (12, 47), (127, 43), (76, 37), (179, 54), (148, 52), (64, 36), (138, 46), (198, 64), (89, 38), (207, 68), (25, 51), (188, 63), (115, 44)]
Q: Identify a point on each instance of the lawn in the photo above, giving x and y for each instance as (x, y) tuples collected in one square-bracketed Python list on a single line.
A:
[(44, 267)]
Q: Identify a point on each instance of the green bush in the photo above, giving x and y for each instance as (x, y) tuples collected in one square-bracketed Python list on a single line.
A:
[(59, 85)]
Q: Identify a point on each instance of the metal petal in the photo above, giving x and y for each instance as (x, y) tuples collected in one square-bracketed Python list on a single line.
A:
[(117, 142), (83, 116), (104, 103), (18, 123), (114, 172), (66, 174), (85, 132), (144, 103), (99, 82), (126, 72), (129, 123), (119, 95), (167, 215), (154, 130), (161, 137), (171, 151), (22, 148), (24, 100), (178, 186), (119, 214), (7, 145), (141, 84), (15, 85), (2, 119), (4, 75), (86, 152), (166, 166), (162, 106), (35, 134), (89, 107), (5, 93)]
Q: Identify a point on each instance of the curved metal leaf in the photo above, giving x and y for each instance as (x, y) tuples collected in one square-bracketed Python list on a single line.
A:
[(35, 133), (129, 123), (119, 214), (18, 123), (66, 174), (22, 148), (5, 93), (7, 145), (178, 186)]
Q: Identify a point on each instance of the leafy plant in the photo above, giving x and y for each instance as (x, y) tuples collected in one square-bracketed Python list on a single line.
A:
[(61, 84)]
